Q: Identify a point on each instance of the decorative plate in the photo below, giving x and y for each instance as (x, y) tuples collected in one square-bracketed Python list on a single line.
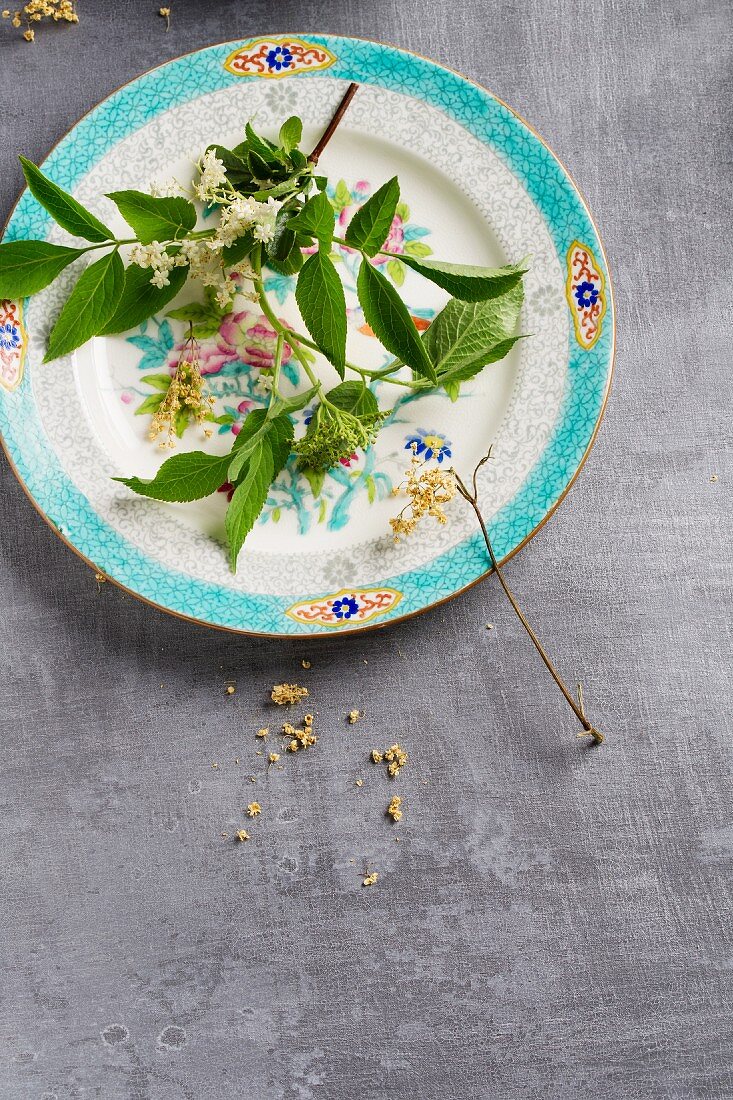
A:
[(478, 187)]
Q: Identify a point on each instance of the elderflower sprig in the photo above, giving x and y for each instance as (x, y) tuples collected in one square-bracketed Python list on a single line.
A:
[(267, 207)]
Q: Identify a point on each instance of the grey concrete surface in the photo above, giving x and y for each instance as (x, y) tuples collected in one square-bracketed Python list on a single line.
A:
[(554, 922)]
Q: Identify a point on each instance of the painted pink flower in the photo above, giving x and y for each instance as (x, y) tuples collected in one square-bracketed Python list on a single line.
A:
[(212, 357), (252, 339), (395, 240), (243, 336), (347, 461)]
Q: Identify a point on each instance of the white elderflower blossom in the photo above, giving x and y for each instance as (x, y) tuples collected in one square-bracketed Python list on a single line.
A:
[(166, 189), (211, 177), (154, 257)]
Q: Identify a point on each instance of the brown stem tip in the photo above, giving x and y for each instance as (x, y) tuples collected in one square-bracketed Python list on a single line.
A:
[(333, 124), (577, 707)]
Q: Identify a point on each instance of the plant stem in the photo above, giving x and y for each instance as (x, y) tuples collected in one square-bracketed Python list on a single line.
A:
[(331, 128), (577, 707)]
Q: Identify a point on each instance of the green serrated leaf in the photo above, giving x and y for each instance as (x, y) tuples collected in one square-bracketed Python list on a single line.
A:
[(183, 477), (63, 207), (28, 266), (155, 219), (89, 307), (354, 397), (239, 250), (467, 336), (140, 299), (260, 429), (370, 225), (316, 219), (291, 132), (248, 500), (322, 303), (390, 321), (468, 283), (263, 150)]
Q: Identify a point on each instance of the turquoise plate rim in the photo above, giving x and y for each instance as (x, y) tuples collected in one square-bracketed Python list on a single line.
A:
[(590, 369)]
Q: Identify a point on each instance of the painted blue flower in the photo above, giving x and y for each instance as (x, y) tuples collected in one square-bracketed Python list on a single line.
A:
[(279, 58), (9, 336), (345, 608), (429, 445), (586, 295)]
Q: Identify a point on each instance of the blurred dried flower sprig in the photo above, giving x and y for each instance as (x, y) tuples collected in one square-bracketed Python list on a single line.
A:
[(36, 11)]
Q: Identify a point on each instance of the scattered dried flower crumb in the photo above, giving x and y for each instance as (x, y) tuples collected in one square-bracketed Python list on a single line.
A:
[(354, 716), (308, 719), (274, 757), (230, 689), (358, 782), (713, 477), (370, 879), (242, 835), (253, 809), (376, 756), (489, 626), (396, 758), (253, 779), (283, 694), (394, 810), (213, 765), (264, 733), (305, 664)]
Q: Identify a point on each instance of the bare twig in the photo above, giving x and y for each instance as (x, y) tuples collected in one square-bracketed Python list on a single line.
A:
[(331, 128), (577, 707)]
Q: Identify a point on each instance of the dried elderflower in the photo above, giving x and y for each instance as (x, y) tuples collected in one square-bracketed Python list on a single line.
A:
[(300, 738), (242, 835), (354, 716), (185, 397), (273, 757), (287, 694), (370, 879), (37, 10), (263, 734), (429, 490), (376, 756), (253, 809), (394, 810)]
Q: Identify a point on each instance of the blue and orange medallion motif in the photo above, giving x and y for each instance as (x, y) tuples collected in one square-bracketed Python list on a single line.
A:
[(349, 606), (13, 343), (275, 57), (585, 290)]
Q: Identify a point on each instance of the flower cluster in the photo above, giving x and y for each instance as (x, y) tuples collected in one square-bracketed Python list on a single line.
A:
[(242, 215), (186, 397), (335, 434), (429, 491), (36, 10)]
